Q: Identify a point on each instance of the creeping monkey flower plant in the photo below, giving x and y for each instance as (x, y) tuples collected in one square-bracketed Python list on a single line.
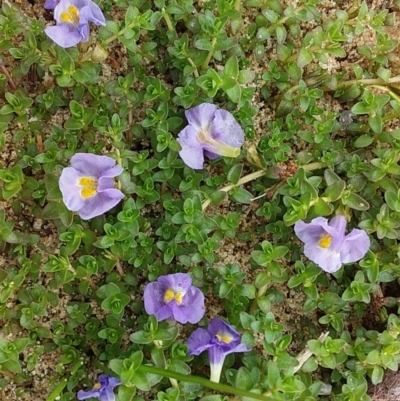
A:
[(88, 187), (212, 132), (73, 17), (327, 245), (176, 174)]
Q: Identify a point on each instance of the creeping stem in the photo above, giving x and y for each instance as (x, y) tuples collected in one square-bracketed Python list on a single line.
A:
[(223, 388), (257, 174), (210, 54)]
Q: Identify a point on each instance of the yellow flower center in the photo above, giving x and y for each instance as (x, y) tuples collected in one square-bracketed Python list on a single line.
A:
[(219, 148), (71, 16), (89, 187), (97, 386), (325, 241), (170, 295), (225, 338)]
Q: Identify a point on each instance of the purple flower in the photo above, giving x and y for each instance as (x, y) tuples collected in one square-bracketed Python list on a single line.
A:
[(73, 17), (88, 186), (327, 245), (212, 132), (173, 296), (50, 4), (220, 339), (103, 390)]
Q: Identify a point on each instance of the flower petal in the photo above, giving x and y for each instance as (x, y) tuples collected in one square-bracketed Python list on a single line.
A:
[(201, 116), (93, 13), (113, 171), (92, 165), (105, 183), (193, 305), (177, 281), (100, 203), (211, 155), (63, 35), (192, 308), (326, 259), (50, 4), (165, 312), (309, 232), (339, 223), (218, 326), (153, 298), (356, 245), (107, 394), (217, 358), (239, 348), (226, 129), (83, 395), (198, 342), (70, 190), (192, 149), (84, 32)]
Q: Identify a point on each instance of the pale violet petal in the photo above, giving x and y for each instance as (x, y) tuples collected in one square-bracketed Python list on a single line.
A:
[(201, 116), (355, 246), (198, 342), (92, 165), (100, 203), (153, 298), (63, 35), (71, 192), (226, 129), (323, 257), (192, 150)]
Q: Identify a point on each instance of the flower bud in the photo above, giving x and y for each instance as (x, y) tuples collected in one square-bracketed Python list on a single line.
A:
[(99, 54)]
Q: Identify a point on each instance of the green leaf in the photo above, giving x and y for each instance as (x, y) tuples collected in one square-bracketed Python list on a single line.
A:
[(234, 93), (241, 195), (334, 191), (304, 58), (217, 197), (244, 380), (363, 141), (377, 375), (356, 202), (52, 188), (376, 123), (322, 208), (235, 173), (232, 67)]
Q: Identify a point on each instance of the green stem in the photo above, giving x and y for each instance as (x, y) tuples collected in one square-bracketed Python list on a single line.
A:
[(209, 55), (295, 56), (243, 180), (86, 57), (195, 72), (258, 174), (272, 27), (313, 166), (369, 81), (57, 391), (204, 382), (119, 162), (385, 89), (167, 20)]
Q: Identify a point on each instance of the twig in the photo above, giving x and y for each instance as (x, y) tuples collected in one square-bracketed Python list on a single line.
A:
[(119, 269), (10, 80), (306, 353)]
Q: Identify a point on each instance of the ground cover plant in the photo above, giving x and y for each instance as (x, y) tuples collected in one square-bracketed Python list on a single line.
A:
[(198, 200)]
